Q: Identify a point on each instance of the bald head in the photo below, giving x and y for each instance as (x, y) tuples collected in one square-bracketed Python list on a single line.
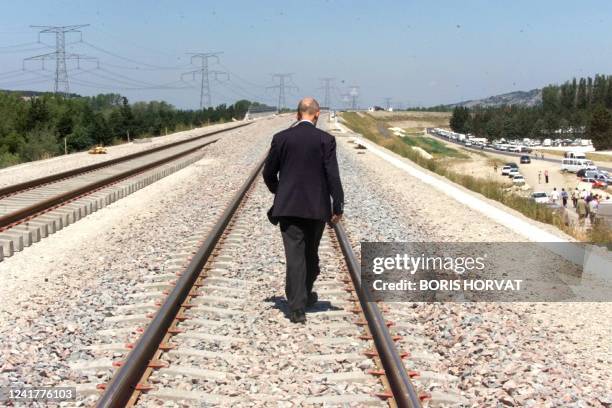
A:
[(308, 109)]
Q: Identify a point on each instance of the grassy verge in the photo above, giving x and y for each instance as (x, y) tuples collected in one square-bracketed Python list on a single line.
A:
[(418, 118), (367, 126), (599, 157), (433, 147)]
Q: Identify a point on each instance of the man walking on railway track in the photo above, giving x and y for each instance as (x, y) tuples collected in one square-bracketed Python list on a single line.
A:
[(301, 170)]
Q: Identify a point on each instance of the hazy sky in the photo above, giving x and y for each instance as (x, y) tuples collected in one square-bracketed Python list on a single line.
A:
[(416, 52)]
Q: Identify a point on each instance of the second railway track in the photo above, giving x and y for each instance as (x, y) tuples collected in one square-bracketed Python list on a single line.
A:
[(33, 210), (214, 330)]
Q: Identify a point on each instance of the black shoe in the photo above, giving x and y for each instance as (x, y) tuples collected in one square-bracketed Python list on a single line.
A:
[(298, 316), (312, 299)]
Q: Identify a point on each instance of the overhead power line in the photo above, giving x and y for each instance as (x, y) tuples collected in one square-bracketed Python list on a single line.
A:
[(205, 72), (327, 87), (283, 86), (132, 60), (354, 95), (388, 102), (59, 55)]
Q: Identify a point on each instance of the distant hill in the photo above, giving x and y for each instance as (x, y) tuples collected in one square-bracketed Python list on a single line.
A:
[(524, 98)]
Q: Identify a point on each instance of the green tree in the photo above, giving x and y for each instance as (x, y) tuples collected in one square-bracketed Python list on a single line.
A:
[(537, 129), (509, 130), (37, 114), (600, 128), (459, 119), (41, 143), (550, 99), (581, 96), (608, 97)]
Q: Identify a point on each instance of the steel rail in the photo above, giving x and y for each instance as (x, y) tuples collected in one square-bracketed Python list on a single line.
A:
[(25, 212), (403, 390), (123, 383), (74, 172)]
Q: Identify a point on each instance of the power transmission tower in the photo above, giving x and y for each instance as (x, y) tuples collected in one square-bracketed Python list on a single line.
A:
[(387, 103), (59, 55), (282, 87), (346, 99), (354, 94), (327, 85), (204, 72)]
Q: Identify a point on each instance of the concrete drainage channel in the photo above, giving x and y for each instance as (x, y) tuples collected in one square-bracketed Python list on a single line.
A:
[(43, 206), (204, 341)]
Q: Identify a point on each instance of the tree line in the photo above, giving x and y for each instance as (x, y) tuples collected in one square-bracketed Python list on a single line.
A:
[(37, 126), (580, 108)]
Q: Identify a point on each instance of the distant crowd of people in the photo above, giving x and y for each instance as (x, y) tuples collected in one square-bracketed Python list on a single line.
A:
[(585, 202)]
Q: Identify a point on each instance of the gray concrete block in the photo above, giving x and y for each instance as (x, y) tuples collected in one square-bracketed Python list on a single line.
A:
[(11, 243), (26, 237), (44, 228), (33, 233)]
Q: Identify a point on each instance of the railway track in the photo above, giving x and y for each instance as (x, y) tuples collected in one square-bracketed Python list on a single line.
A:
[(210, 329), (32, 210)]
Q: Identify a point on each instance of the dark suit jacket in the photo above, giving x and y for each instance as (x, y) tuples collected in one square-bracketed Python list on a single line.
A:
[(302, 171)]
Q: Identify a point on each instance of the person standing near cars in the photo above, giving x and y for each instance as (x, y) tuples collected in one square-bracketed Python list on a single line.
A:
[(540, 177), (554, 195), (546, 176), (575, 194), (581, 209), (593, 206), (564, 196), (584, 194)]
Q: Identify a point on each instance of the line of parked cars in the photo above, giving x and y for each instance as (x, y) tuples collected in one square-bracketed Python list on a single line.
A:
[(512, 171)]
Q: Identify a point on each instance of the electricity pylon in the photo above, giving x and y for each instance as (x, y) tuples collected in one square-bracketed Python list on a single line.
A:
[(327, 85), (205, 72), (59, 55), (282, 87)]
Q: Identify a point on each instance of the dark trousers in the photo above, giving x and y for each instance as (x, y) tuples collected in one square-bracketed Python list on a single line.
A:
[(301, 238)]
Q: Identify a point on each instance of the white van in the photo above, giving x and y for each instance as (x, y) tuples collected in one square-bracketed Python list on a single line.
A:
[(574, 155), (573, 165)]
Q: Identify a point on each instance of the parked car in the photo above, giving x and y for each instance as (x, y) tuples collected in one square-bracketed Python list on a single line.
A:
[(513, 165), (605, 178), (595, 182), (582, 173), (505, 170), (590, 173), (525, 159), (519, 180), (540, 197), (513, 172)]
